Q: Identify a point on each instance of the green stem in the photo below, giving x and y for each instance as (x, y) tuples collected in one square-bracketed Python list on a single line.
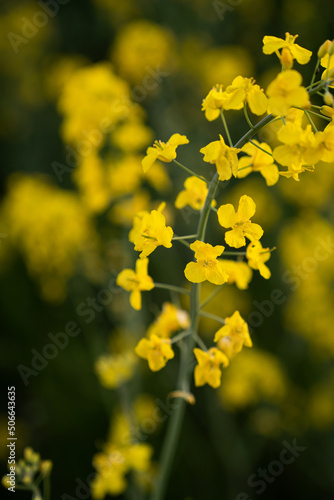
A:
[(315, 72), (314, 128), (247, 117), (246, 138), (188, 237), (259, 147), (180, 336), (211, 296), (226, 128), (316, 114), (234, 253), (185, 371), (212, 316), (172, 287), (191, 172), (200, 342), (47, 487)]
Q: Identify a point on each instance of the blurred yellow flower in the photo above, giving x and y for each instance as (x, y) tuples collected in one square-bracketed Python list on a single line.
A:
[(194, 194), (163, 151), (256, 375), (131, 136), (156, 350), (224, 157), (50, 227), (114, 370), (135, 282), (208, 371), (207, 266), (123, 211), (144, 52), (93, 101), (91, 178), (239, 222), (170, 320), (302, 146), (285, 91), (258, 161), (257, 256), (114, 463), (238, 272)]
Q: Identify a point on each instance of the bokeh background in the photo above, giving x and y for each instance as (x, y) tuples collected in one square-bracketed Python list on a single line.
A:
[(68, 193)]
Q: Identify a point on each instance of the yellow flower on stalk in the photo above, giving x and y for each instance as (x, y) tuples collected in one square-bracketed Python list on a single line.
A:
[(327, 62), (239, 222), (258, 161), (114, 370), (300, 147), (257, 256), (238, 272), (156, 350), (170, 320), (294, 171), (149, 231), (136, 282), (214, 102), (194, 194), (224, 157), (233, 335), (244, 90), (163, 151), (273, 44), (208, 371), (207, 266), (286, 91)]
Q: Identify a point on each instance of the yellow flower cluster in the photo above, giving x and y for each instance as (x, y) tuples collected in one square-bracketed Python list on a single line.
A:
[(29, 471), (49, 227), (122, 454)]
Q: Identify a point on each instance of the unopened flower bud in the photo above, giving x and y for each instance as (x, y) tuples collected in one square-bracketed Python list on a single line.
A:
[(286, 58), (323, 49), (45, 467), (327, 111), (331, 49), (328, 98)]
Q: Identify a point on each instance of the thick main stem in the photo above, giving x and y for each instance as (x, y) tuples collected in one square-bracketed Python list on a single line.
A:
[(175, 422)]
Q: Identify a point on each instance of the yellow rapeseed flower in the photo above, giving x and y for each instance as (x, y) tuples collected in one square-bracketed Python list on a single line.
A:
[(149, 231), (207, 266), (233, 335), (273, 44), (208, 371), (135, 282), (245, 90), (164, 151), (238, 272), (214, 102), (257, 256), (239, 222), (258, 161), (286, 91), (194, 194), (156, 350), (300, 147), (170, 320), (224, 157)]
